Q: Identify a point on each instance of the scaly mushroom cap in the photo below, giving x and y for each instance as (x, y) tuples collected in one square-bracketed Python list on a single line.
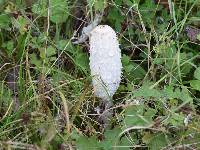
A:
[(105, 61)]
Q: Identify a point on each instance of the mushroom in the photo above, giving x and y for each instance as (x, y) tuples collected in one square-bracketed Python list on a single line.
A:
[(105, 65)]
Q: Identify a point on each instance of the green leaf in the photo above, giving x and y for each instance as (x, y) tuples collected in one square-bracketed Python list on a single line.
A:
[(65, 45), (146, 92), (118, 2), (1, 2), (35, 61), (129, 68), (195, 84), (4, 21), (169, 92), (177, 119), (198, 37), (147, 11), (177, 93), (186, 68), (185, 96), (155, 141), (131, 3), (90, 4), (82, 60), (21, 42), (40, 8), (21, 24), (99, 5), (51, 59), (197, 73), (85, 143), (147, 6), (111, 138), (125, 143), (116, 18), (135, 116), (9, 45), (59, 11), (113, 141), (42, 53), (158, 61), (149, 114), (133, 71), (50, 51), (5, 95), (125, 60)]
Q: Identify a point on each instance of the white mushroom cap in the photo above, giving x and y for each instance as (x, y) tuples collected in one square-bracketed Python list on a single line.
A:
[(105, 61)]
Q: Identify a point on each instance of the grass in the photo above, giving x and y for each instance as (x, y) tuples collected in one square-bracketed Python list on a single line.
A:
[(46, 97)]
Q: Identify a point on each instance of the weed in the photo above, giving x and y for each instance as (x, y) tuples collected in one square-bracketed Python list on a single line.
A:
[(46, 97)]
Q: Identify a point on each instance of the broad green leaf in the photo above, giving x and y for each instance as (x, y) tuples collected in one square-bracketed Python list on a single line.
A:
[(90, 3), (149, 114), (99, 5), (9, 47), (113, 141), (1, 2), (169, 92), (111, 138), (85, 143), (131, 3), (125, 60), (35, 61), (197, 73), (186, 69), (155, 141), (125, 143), (52, 59), (4, 21), (129, 68), (158, 61), (146, 92), (147, 10), (178, 93), (148, 6), (65, 45), (59, 11), (118, 2), (116, 18), (40, 8), (133, 71), (134, 116), (50, 51), (176, 119), (82, 60), (185, 96), (198, 37), (5, 95), (21, 42), (21, 24), (136, 73), (42, 53), (195, 84)]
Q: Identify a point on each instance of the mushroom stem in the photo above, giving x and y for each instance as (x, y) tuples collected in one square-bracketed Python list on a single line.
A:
[(107, 113)]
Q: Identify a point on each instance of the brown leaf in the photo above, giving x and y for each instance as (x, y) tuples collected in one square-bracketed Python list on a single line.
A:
[(164, 3)]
